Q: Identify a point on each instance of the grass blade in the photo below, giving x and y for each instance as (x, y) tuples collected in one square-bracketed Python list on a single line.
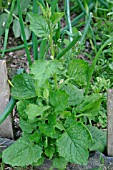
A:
[(94, 39), (68, 17), (81, 6), (103, 3), (23, 32), (95, 61), (77, 37), (42, 49), (7, 26), (19, 47), (53, 5), (34, 37), (76, 20), (42, 3), (86, 29)]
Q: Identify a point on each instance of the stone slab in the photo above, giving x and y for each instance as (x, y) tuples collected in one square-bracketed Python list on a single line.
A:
[(96, 161), (6, 129), (4, 143)]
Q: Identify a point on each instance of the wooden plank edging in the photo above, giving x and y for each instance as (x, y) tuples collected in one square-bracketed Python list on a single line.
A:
[(6, 129), (110, 122)]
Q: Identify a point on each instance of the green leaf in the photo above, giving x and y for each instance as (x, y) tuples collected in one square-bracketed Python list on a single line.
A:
[(65, 114), (73, 144), (21, 106), (39, 162), (34, 110), (60, 163), (56, 17), (23, 87), (52, 119), (34, 137), (99, 139), (91, 105), (59, 125), (69, 121), (46, 94), (22, 153), (76, 96), (43, 70), (48, 128), (27, 33), (39, 25), (27, 126), (16, 24), (59, 100), (78, 70), (3, 20), (49, 151), (44, 11), (23, 4), (53, 5)]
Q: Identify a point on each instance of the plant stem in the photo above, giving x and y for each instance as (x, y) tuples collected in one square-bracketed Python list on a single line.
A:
[(93, 37), (80, 115), (74, 22), (7, 110), (5, 41), (50, 35), (103, 3), (19, 47), (55, 81), (77, 37), (10, 104), (16, 48), (34, 37), (7, 26), (86, 29), (42, 3), (77, 19), (23, 32), (81, 6), (68, 17), (51, 44), (53, 5), (86, 7), (43, 47), (2, 166), (12, 14)]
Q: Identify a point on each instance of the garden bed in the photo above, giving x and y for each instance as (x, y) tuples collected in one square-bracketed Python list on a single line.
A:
[(62, 95)]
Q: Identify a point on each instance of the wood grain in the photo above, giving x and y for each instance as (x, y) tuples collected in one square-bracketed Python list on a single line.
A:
[(110, 122), (6, 127)]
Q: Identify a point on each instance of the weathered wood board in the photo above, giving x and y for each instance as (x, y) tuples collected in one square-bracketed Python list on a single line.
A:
[(6, 129), (110, 122)]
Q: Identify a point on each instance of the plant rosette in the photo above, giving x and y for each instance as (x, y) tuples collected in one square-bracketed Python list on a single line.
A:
[(53, 111)]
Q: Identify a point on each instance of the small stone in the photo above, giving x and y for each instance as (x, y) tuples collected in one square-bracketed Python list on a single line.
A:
[(4, 143)]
